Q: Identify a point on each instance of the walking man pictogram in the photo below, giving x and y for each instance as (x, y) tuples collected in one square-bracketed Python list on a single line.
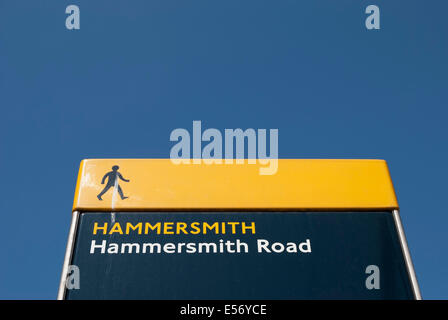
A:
[(112, 181)]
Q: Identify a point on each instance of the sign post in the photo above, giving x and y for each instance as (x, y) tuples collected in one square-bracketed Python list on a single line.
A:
[(317, 229)]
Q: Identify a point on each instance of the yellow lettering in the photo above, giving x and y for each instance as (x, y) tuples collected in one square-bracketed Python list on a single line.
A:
[(116, 228), (131, 226), (167, 227), (233, 224), (181, 227), (96, 228), (244, 227), (152, 227), (210, 227), (194, 226)]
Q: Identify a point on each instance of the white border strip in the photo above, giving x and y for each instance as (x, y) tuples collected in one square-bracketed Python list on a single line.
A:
[(68, 254), (407, 255)]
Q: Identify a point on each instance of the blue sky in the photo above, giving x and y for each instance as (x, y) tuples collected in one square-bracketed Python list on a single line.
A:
[(136, 70)]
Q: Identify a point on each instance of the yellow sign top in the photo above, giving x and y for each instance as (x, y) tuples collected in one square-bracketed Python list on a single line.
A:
[(159, 184)]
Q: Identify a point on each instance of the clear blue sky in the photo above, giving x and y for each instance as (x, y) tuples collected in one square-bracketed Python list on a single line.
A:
[(136, 70)]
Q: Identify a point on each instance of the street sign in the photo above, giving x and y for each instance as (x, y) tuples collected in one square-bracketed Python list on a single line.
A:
[(318, 229)]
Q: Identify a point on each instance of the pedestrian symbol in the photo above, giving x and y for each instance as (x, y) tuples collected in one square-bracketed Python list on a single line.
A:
[(112, 181)]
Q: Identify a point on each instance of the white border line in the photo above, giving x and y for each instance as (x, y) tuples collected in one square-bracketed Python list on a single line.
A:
[(407, 255), (68, 254)]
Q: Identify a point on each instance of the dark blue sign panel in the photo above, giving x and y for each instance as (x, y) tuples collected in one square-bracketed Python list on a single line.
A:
[(239, 255)]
